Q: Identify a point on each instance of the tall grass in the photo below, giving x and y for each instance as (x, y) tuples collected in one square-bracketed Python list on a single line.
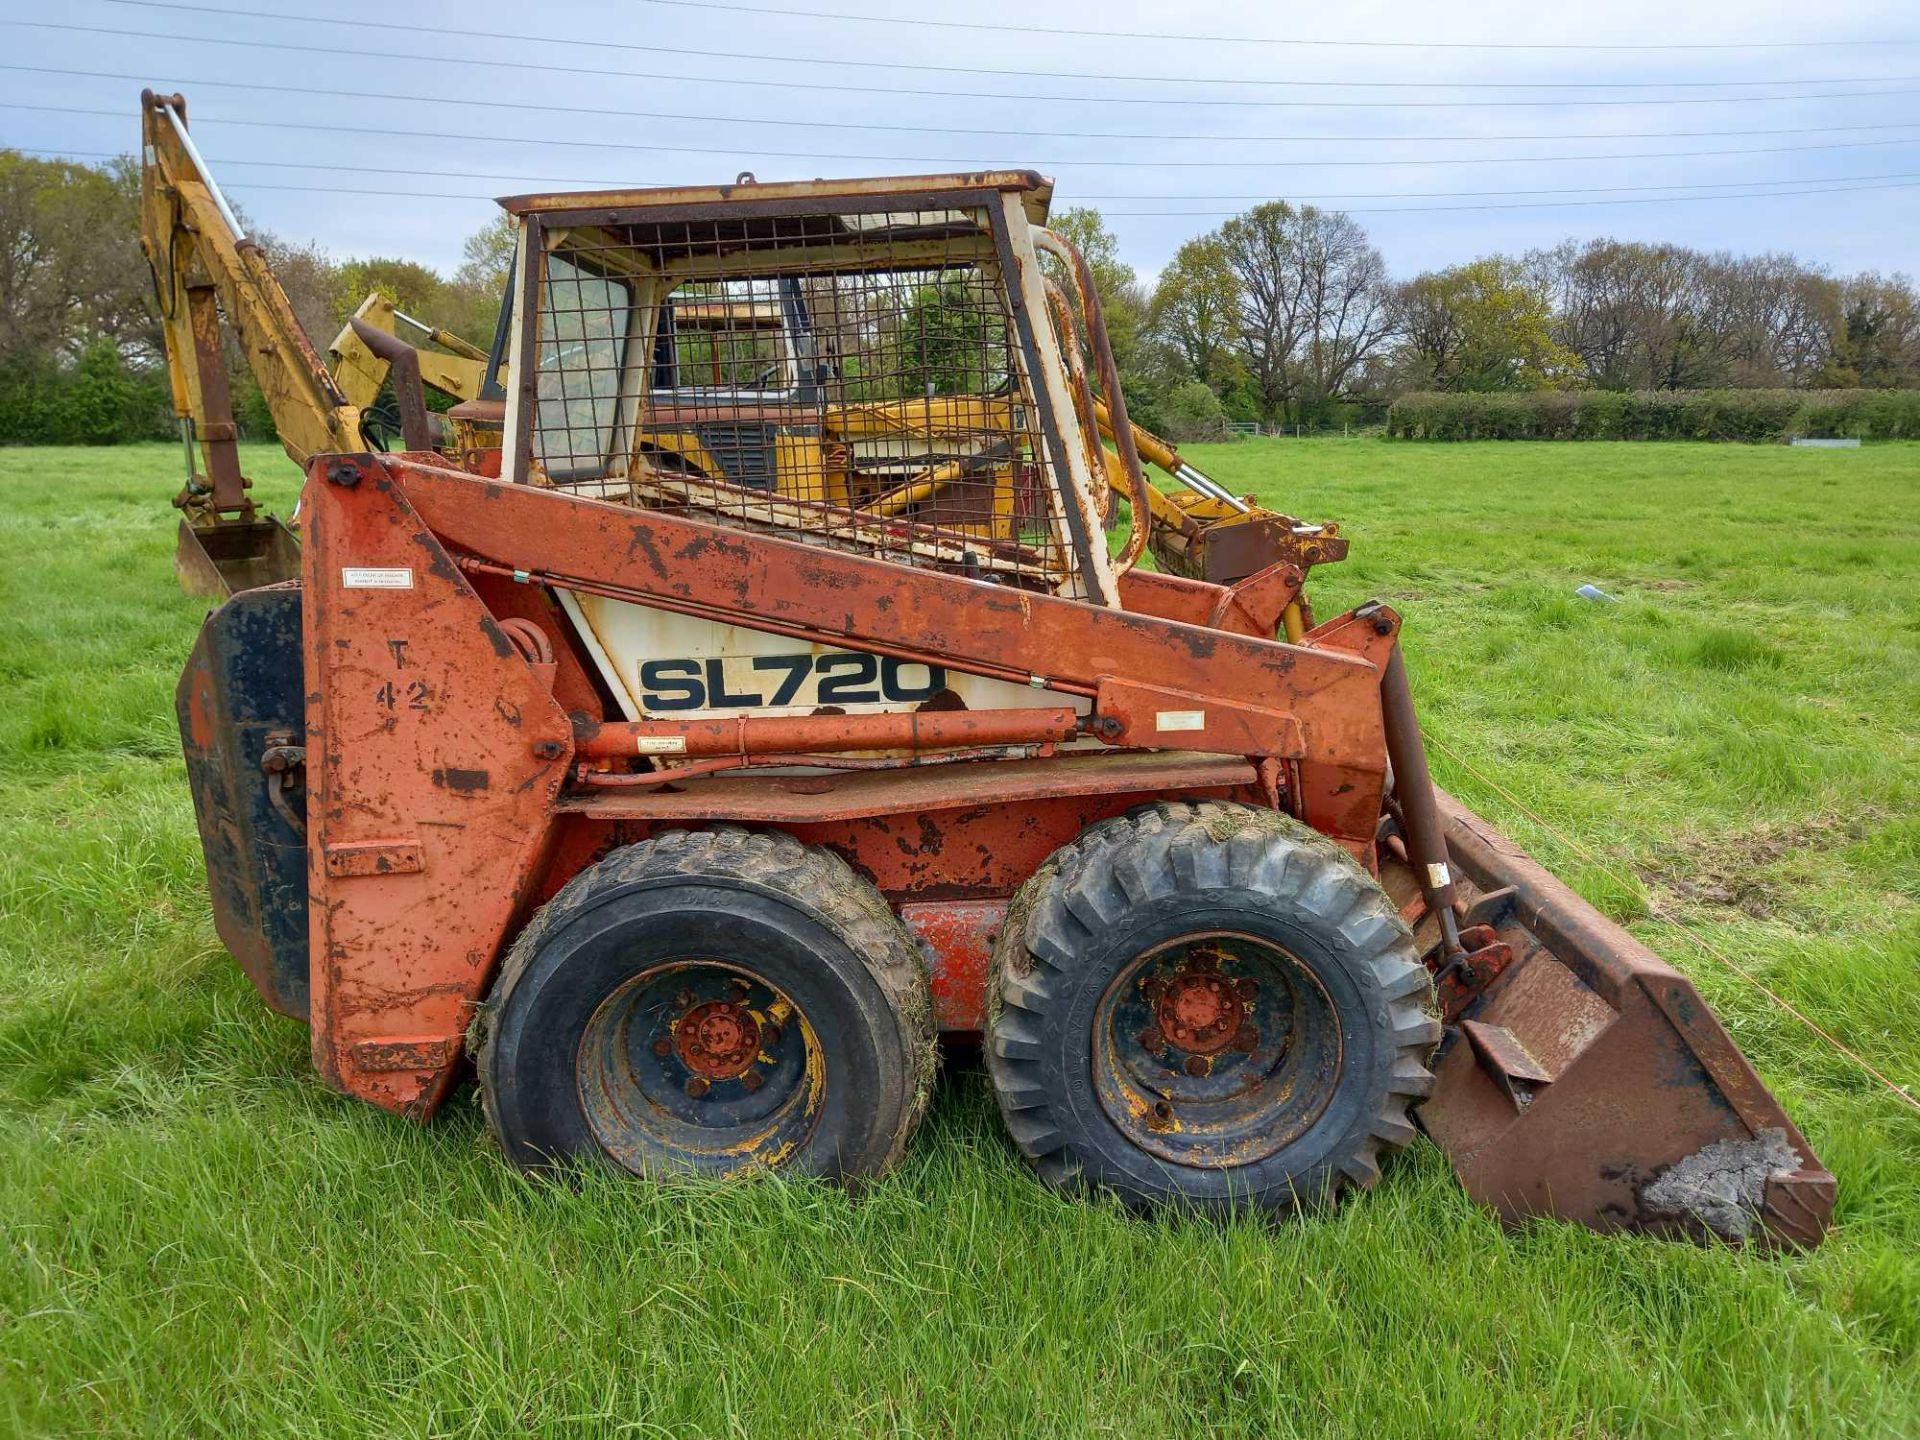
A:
[(199, 1239)]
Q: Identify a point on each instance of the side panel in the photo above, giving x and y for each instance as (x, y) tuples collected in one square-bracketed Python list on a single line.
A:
[(241, 693), (1328, 687), (434, 755), (681, 667)]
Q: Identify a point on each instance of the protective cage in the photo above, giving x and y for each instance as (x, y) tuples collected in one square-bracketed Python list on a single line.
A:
[(866, 369)]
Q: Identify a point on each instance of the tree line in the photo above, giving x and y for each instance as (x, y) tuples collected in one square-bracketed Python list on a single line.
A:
[(1284, 315), (1287, 315)]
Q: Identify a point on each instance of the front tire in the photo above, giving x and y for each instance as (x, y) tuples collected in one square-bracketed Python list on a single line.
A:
[(716, 1002), (1211, 1005)]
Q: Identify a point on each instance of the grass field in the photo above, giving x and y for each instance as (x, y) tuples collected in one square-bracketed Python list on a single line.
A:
[(199, 1239)]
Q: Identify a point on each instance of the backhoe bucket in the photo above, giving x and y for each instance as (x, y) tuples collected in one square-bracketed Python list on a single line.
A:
[(1583, 1077), (231, 555)]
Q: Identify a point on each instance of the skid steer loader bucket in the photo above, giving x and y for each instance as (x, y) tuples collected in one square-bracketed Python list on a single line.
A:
[(231, 555), (1583, 1077)]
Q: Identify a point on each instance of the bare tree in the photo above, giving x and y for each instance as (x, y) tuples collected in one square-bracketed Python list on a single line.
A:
[(1315, 302), (1778, 316), (1259, 249), (1349, 301)]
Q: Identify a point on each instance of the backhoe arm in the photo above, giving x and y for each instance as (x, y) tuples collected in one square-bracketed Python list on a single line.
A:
[(206, 270)]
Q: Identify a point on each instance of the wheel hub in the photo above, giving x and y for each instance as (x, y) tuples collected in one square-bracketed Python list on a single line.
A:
[(698, 1063), (718, 1039), (1200, 1012), (1214, 1050)]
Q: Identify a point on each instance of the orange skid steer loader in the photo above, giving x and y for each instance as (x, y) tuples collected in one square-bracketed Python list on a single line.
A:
[(689, 801)]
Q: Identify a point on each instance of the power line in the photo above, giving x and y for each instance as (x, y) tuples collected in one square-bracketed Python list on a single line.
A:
[(546, 179), (975, 95), (1201, 214), (522, 37), (1540, 205), (1797, 44), (1192, 214), (388, 132), (602, 113)]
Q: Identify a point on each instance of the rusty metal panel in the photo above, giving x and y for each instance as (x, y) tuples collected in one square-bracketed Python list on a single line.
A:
[(958, 936), (425, 725), (948, 855), (1035, 189), (347, 859), (1330, 686)]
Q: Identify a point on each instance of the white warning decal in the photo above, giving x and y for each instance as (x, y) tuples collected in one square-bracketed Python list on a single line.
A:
[(1180, 720), (354, 578), (1439, 877)]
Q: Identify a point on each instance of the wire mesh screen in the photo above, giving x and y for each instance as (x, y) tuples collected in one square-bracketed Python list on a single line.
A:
[(852, 378)]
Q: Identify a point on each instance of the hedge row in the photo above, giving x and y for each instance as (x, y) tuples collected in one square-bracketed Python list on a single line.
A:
[(1751, 415), (99, 401)]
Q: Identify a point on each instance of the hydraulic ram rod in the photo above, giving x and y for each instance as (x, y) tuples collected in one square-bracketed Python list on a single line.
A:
[(825, 734), (1159, 453), (1413, 787)]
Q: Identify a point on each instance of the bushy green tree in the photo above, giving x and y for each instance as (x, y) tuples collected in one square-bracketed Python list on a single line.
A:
[(1191, 411), (1480, 326), (1194, 311)]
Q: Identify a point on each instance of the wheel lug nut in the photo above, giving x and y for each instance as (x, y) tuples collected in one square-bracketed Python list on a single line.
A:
[(662, 1046), (753, 1080), (1196, 1065), (697, 1086)]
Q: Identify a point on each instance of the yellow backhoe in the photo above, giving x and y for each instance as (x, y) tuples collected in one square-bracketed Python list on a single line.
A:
[(211, 281)]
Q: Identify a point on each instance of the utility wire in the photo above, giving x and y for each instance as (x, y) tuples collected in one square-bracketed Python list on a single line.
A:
[(921, 93), (522, 37), (1797, 44), (468, 137), (1540, 205), (1145, 214), (603, 113), (547, 180)]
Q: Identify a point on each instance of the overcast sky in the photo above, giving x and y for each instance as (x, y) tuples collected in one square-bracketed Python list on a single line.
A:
[(1410, 139)]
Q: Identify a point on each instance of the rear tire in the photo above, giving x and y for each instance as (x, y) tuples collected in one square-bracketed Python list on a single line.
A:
[(1209, 1005), (711, 1001)]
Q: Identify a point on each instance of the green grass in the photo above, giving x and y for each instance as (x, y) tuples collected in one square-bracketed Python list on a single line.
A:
[(199, 1239)]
